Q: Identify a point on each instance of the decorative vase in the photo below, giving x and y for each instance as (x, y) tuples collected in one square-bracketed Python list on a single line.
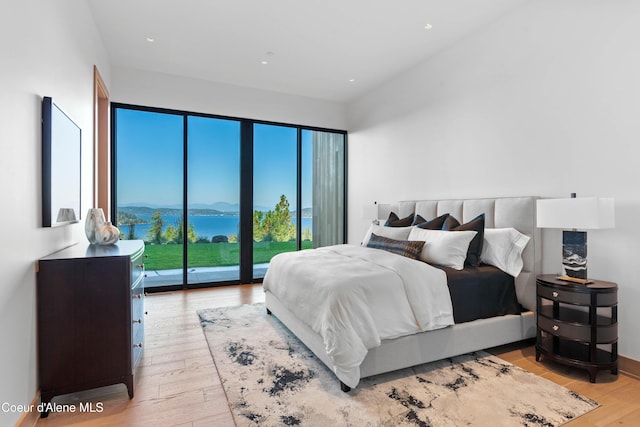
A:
[(99, 231)]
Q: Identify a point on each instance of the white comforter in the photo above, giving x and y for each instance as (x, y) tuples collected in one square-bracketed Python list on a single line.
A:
[(354, 297)]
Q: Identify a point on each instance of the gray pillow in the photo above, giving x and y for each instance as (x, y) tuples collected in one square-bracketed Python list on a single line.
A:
[(405, 248), (394, 221)]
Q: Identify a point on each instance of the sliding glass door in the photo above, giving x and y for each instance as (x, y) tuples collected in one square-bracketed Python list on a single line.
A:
[(275, 171), (149, 186), (213, 194), (299, 191), (216, 198)]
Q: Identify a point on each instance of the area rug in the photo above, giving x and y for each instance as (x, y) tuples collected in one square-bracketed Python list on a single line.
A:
[(271, 379)]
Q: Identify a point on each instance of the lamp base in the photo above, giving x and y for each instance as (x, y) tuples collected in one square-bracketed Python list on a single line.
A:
[(574, 254), (574, 280)]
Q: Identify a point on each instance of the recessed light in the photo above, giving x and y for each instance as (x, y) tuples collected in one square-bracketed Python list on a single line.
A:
[(264, 62), (428, 26), (352, 80), (150, 39)]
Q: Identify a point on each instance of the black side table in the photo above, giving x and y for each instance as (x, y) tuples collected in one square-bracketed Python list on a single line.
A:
[(577, 324)]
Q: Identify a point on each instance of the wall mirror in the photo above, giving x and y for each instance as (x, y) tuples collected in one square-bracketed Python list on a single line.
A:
[(61, 164)]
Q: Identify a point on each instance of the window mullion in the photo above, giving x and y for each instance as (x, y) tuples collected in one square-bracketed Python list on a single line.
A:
[(246, 201)]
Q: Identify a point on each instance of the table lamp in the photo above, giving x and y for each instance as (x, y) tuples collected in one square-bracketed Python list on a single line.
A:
[(575, 213), (370, 212)]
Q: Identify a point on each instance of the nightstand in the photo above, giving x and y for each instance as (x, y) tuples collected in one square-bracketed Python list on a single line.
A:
[(577, 324)]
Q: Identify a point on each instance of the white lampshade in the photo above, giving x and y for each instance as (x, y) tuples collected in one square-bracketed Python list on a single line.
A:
[(370, 212), (384, 209), (583, 213)]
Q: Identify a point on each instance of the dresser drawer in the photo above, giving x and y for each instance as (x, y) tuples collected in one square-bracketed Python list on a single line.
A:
[(137, 320), (137, 266), (558, 328), (604, 333), (136, 351), (568, 296)]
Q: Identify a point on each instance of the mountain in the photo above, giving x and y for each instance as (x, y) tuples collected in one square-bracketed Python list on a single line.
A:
[(197, 209), (221, 207), (146, 210)]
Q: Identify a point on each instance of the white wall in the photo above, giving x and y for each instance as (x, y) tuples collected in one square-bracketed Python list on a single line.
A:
[(545, 101), (47, 49), (181, 93)]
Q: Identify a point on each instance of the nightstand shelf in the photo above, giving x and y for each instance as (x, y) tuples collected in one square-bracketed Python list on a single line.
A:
[(575, 353), (577, 324)]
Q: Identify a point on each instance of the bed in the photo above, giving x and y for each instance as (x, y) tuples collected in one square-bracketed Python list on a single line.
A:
[(438, 333)]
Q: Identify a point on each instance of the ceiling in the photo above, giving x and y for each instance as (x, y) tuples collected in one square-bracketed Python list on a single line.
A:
[(329, 49)]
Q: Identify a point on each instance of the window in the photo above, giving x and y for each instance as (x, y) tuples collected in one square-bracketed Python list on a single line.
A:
[(213, 194), (149, 194), (203, 190), (275, 193)]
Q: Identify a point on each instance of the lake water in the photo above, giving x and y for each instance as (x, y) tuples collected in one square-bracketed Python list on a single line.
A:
[(204, 226)]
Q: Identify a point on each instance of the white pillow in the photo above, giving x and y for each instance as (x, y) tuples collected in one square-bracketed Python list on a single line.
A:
[(502, 248), (396, 233), (447, 248)]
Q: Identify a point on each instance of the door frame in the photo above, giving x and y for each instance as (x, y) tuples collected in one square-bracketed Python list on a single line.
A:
[(101, 152)]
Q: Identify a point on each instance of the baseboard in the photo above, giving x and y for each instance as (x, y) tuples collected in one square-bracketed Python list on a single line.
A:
[(30, 418), (629, 366)]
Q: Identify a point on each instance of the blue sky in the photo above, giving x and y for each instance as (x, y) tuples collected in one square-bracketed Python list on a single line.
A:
[(150, 161)]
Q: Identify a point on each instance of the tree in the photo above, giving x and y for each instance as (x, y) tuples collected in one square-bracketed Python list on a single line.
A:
[(171, 235), (306, 234), (174, 233), (154, 234), (192, 237), (282, 229), (126, 218), (259, 229), (275, 225), (130, 220), (131, 234)]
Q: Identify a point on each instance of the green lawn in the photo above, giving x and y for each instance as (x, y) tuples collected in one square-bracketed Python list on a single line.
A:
[(164, 257)]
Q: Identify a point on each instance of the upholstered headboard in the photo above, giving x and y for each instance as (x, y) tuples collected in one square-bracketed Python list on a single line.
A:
[(516, 212)]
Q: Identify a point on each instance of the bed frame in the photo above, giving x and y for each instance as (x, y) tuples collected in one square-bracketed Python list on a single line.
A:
[(411, 350)]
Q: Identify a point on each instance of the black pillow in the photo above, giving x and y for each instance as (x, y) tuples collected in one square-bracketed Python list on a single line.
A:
[(475, 247), (410, 249), (394, 221), (435, 224)]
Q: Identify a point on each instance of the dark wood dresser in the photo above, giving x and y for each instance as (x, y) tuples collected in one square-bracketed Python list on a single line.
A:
[(578, 324), (90, 306)]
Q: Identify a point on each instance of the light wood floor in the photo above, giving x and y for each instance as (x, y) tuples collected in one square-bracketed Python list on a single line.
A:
[(177, 383)]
